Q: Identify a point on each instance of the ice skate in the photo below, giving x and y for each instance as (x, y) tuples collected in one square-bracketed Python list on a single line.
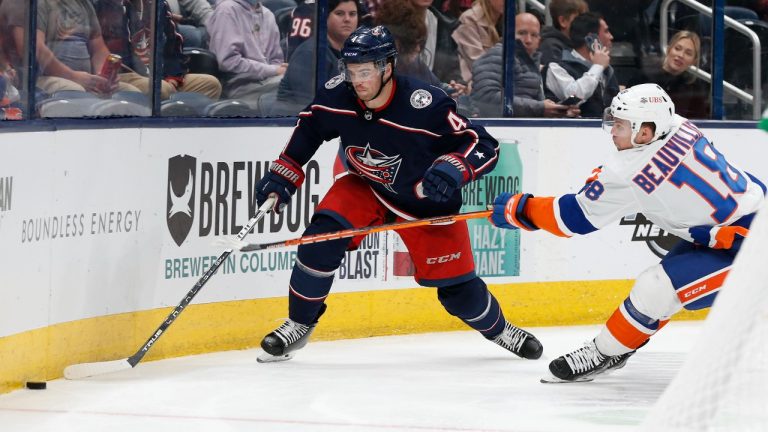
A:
[(519, 342), (583, 364), (291, 336)]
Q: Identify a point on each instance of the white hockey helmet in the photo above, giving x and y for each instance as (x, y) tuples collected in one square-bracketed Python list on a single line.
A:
[(639, 104)]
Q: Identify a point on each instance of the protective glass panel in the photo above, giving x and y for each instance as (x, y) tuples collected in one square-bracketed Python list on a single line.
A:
[(14, 59), (84, 59)]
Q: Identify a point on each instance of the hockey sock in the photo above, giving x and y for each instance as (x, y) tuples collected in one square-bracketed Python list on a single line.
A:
[(472, 303), (313, 273), (626, 330)]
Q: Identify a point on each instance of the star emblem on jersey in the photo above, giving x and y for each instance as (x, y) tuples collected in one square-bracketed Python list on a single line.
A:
[(374, 165), (421, 99), (479, 154), (333, 82)]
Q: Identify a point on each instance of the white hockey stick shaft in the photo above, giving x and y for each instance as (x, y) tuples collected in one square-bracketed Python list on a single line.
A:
[(84, 370)]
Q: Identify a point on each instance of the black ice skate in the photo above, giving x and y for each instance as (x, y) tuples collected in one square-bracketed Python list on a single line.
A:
[(519, 342), (291, 336), (584, 364)]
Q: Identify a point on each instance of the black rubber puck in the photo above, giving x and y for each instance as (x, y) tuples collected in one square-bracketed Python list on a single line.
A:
[(37, 385)]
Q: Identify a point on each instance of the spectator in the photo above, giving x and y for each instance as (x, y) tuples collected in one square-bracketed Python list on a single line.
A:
[(479, 29), (10, 106), (691, 96), (410, 34), (303, 26), (191, 18), (139, 54), (296, 88), (70, 47), (246, 42), (453, 8), (12, 21), (585, 71), (556, 38), (528, 100), (9, 61), (439, 51)]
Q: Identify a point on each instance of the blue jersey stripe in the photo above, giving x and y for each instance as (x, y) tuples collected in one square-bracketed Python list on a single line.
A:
[(572, 215)]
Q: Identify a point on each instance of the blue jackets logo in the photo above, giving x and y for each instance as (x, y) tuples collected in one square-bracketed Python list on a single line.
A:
[(374, 165), (181, 196)]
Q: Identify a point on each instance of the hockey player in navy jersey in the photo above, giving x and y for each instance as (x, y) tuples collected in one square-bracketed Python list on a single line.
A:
[(668, 170), (408, 154)]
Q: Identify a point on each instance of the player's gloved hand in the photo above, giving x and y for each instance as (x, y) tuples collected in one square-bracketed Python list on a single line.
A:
[(509, 212), (717, 237), (447, 174), (282, 180)]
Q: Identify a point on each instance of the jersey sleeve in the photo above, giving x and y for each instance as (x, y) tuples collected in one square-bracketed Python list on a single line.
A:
[(472, 142), (315, 126), (603, 200)]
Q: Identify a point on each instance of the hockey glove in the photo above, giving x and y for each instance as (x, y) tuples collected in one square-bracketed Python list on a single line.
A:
[(446, 175), (282, 180), (717, 237), (509, 212)]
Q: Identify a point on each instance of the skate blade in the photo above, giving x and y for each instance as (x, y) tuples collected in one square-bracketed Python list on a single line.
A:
[(269, 358), (555, 380)]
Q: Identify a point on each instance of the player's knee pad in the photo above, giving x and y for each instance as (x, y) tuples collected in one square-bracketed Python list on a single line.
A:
[(653, 294), (323, 256)]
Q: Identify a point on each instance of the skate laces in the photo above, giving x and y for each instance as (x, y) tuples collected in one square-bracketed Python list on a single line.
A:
[(511, 337), (291, 331), (585, 358)]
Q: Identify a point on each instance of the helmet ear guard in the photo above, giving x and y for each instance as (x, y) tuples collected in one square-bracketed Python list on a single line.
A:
[(640, 104)]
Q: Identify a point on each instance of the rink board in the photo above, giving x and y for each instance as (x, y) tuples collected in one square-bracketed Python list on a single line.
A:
[(92, 261)]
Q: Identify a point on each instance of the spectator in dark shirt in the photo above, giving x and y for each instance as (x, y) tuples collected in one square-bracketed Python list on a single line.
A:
[(556, 38), (690, 95), (528, 100), (584, 72), (296, 89)]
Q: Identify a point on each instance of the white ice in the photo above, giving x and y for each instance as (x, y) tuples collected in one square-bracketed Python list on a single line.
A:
[(430, 382)]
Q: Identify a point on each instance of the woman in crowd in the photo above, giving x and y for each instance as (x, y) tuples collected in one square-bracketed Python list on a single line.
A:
[(690, 95), (480, 28)]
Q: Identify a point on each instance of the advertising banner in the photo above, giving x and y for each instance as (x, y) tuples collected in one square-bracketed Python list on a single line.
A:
[(99, 222)]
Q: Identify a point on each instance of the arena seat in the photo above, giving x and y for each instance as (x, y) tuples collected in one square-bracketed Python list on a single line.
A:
[(230, 108)]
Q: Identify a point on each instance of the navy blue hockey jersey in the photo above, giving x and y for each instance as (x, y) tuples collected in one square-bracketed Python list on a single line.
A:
[(392, 147)]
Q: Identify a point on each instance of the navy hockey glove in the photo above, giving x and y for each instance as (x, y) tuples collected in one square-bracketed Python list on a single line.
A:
[(444, 177), (282, 180), (509, 212)]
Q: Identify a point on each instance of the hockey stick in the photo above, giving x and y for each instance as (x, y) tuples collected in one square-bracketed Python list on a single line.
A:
[(239, 244), (84, 370)]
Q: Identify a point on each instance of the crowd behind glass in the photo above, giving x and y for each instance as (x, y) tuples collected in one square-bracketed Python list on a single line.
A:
[(251, 58)]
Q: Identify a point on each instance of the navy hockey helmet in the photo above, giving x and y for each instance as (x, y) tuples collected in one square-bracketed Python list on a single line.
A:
[(368, 44)]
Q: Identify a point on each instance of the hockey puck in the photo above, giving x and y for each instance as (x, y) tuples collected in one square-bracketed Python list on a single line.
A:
[(37, 385)]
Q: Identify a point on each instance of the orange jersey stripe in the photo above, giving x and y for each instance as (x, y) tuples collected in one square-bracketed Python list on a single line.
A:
[(541, 211)]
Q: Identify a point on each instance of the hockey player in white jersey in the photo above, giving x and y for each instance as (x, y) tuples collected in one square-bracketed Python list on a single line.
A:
[(669, 171)]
